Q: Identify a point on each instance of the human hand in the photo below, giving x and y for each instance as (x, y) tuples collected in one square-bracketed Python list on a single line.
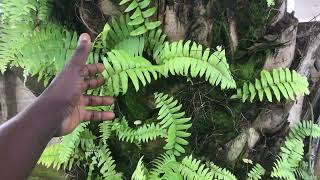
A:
[(68, 87)]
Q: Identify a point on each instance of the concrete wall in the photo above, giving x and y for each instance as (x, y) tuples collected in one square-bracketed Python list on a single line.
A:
[(14, 95)]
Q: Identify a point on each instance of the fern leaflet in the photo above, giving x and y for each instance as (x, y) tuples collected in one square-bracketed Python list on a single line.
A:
[(184, 59), (144, 133), (174, 120), (292, 150), (120, 67), (281, 81)]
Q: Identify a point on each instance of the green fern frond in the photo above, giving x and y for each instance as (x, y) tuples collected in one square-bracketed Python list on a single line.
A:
[(23, 18), (192, 169), (304, 129), (149, 132), (59, 155), (15, 12), (155, 40), (292, 150), (120, 67), (123, 131), (106, 164), (70, 142), (186, 59), (283, 82), (172, 118), (50, 157), (145, 133), (256, 172), (44, 10), (105, 130), (140, 16), (162, 165), (220, 173), (116, 36), (141, 172)]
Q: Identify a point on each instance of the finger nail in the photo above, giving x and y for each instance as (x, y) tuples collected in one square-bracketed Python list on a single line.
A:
[(84, 38)]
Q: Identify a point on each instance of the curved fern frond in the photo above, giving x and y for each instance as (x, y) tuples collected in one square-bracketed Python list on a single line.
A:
[(140, 18), (256, 172), (120, 67), (172, 118), (145, 133), (283, 82), (141, 172), (186, 59), (220, 173), (162, 165), (292, 150)]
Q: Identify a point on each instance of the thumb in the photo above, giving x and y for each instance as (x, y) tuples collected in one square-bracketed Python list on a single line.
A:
[(81, 54)]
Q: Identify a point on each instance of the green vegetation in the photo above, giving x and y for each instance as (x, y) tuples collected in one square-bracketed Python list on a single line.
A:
[(137, 54)]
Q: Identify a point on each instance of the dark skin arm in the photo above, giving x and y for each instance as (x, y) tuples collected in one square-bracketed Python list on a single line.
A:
[(59, 109)]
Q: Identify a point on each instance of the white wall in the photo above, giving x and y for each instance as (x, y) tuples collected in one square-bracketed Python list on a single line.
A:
[(306, 10)]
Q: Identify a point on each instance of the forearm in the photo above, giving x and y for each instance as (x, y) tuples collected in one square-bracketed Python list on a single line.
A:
[(24, 137)]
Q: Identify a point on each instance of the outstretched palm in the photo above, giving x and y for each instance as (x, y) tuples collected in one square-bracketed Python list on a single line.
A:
[(69, 87)]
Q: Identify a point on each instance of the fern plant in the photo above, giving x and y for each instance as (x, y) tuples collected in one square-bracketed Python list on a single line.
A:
[(281, 82)]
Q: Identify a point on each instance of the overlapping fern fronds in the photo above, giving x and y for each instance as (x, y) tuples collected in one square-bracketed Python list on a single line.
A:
[(116, 36), (163, 165), (140, 16), (185, 59), (59, 155), (172, 118), (51, 48), (292, 151), (279, 82), (23, 18), (120, 67), (155, 40)]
